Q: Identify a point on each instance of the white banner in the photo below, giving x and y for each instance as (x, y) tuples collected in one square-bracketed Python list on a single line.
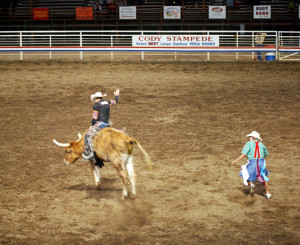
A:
[(172, 12), (175, 41), (262, 11), (127, 13), (217, 12)]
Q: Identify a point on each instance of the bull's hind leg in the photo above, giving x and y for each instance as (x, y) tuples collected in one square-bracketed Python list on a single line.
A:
[(124, 176), (130, 171), (96, 171)]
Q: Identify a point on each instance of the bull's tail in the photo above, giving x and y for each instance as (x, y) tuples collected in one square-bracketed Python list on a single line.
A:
[(147, 158)]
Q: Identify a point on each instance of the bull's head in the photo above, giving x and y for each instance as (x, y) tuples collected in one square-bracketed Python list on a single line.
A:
[(73, 149)]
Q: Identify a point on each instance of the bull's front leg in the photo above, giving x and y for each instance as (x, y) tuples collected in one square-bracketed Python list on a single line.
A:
[(96, 171)]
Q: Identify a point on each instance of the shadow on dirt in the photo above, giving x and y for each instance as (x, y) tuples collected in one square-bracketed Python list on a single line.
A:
[(106, 190), (259, 189)]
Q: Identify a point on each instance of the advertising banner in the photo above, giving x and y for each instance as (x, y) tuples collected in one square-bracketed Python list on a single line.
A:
[(172, 12), (84, 13), (217, 12), (262, 11), (175, 41), (40, 13), (127, 13)]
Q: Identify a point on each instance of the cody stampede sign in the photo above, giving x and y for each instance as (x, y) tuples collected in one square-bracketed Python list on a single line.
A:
[(175, 40)]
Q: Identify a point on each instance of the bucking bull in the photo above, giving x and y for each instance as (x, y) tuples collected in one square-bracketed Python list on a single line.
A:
[(110, 145)]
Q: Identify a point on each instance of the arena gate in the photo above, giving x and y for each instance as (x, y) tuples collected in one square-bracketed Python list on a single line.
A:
[(147, 45)]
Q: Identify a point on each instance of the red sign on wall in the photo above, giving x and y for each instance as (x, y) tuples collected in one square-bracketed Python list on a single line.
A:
[(40, 13), (84, 13)]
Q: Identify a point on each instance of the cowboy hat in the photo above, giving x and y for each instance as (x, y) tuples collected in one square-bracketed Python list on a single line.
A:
[(97, 95), (254, 134)]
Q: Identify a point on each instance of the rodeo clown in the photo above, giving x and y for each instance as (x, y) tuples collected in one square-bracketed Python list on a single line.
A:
[(256, 166), (100, 119)]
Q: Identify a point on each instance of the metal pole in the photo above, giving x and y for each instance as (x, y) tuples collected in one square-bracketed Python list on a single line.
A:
[(21, 44), (80, 45), (207, 52), (142, 52), (252, 45), (237, 44), (50, 44), (111, 44), (277, 42)]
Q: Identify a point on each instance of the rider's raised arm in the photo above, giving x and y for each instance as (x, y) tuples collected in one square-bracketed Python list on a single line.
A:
[(116, 100)]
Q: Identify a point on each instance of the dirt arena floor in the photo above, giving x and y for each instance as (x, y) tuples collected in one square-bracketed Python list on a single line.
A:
[(190, 117)]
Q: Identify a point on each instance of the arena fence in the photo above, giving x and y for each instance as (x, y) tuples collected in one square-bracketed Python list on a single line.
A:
[(174, 45), (289, 43)]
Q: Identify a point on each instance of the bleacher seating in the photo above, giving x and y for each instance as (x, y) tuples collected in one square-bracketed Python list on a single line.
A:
[(62, 14), (58, 8), (57, 3), (23, 9)]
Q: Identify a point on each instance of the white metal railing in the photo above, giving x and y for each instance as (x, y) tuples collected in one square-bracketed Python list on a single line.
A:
[(289, 45), (232, 44)]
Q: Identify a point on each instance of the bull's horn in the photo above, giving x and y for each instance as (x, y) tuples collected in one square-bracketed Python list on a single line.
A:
[(61, 144), (79, 137)]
